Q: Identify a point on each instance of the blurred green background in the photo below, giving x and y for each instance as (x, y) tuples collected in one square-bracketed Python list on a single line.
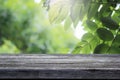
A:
[(25, 28)]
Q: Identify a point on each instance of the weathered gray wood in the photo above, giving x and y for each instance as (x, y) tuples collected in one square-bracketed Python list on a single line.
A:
[(60, 66)]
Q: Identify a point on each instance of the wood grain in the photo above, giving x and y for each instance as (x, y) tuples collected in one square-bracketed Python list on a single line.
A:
[(60, 66)]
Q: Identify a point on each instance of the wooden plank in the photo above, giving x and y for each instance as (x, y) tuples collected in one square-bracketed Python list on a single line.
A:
[(60, 66)]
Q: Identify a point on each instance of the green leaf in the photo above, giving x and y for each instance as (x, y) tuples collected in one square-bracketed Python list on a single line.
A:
[(54, 12), (91, 25), (109, 23), (102, 48), (104, 1), (91, 39), (58, 11), (76, 9), (86, 48), (62, 14), (68, 23), (82, 47), (116, 41), (116, 18), (105, 10), (87, 44), (105, 34), (93, 9), (77, 48), (114, 50), (87, 37), (95, 41), (84, 12)]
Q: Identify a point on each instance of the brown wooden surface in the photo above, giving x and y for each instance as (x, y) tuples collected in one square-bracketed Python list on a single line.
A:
[(60, 66)]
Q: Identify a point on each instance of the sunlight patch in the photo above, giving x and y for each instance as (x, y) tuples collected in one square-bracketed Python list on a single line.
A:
[(37, 1), (79, 32)]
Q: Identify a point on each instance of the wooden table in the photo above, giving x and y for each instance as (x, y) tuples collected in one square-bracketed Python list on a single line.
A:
[(60, 66)]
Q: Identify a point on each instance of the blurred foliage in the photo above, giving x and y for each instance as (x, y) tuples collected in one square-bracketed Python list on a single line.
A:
[(25, 28), (100, 18)]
